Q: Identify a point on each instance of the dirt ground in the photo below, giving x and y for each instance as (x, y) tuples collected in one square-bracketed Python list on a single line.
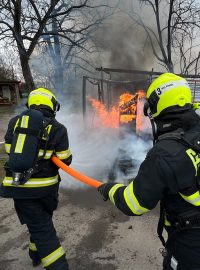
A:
[(93, 233)]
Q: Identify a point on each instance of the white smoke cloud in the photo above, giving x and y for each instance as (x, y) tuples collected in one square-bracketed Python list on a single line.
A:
[(95, 151)]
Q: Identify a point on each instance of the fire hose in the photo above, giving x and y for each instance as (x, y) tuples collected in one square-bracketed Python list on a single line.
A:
[(83, 178), (79, 176)]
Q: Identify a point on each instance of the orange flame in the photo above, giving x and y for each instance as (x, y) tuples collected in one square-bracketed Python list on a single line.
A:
[(106, 118), (124, 112), (141, 93), (140, 114)]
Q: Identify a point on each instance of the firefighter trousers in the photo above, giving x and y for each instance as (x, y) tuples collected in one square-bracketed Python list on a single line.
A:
[(183, 251), (44, 244)]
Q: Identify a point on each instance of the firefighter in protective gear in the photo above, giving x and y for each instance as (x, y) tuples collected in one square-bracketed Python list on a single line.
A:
[(169, 174), (36, 199)]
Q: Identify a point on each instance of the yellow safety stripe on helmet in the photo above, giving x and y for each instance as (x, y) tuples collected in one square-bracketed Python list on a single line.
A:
[(33, 182), (194, 158), (16, 124), (43, 92), (194, 199), (169, 100), (54, 256), (21, 137), (48, 153), (132, 201), (168, 90), (32, 246), (41, 96), (7, 147), (63, 154), (112, 192), (163, 88)]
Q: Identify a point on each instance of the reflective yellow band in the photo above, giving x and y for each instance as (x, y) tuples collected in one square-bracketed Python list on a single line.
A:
[(7, 147), (112, 192), (54, 256), (63, 154), (24, 121), (32, 246), (16, 124), (20, 143), (48, 153), (42, 93), (194, 158), (193, 199), (21, 137), (167, 223), (48, 129), (132, 201), (33, 182)]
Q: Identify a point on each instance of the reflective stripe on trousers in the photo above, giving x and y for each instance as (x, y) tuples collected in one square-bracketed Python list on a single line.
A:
[(37, 215), (52, 257)]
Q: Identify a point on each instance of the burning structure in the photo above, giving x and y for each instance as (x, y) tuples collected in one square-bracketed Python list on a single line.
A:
[(125, 114), (127, 107), (118, 104), (127, 118)]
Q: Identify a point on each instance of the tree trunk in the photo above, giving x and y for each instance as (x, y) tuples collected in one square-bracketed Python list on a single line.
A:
[(27, 73), (59, 72), (170, 67)]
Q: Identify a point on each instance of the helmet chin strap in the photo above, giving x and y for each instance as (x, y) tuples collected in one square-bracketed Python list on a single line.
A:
[(57, 107), (153, 125), (147, 112), (154, 130)]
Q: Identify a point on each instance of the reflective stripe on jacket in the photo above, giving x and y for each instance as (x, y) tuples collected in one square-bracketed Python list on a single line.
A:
[(46, 178), (32, 182), (168, 172)]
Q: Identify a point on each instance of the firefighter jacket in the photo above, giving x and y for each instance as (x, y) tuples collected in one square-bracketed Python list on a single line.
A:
[(169, 173), (45, 179)]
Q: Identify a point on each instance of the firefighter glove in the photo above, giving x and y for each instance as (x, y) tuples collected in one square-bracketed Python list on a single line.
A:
[(104, 190)]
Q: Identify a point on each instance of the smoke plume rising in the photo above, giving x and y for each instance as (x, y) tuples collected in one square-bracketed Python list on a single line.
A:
[(123, 42), (96, 150)]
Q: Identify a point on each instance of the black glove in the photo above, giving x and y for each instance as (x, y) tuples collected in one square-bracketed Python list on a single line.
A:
[(102, 191)]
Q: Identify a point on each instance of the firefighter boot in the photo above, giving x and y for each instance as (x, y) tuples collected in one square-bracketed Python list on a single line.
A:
[(35, 258)]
